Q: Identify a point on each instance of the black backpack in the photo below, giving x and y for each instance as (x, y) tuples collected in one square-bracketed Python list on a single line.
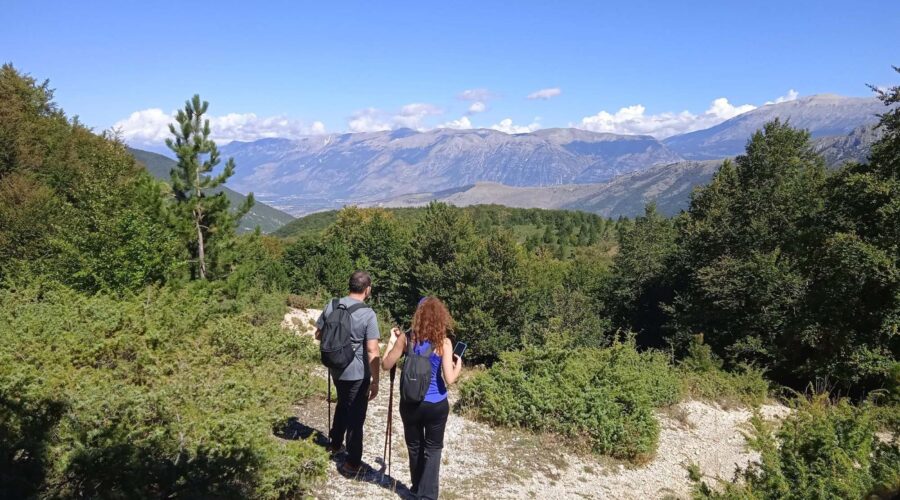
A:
[(416, 375), (336, 347)]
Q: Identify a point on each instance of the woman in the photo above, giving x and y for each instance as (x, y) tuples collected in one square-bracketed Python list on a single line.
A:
[(424, 422)]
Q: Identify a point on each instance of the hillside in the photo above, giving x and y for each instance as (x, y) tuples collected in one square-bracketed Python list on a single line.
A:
[(523, 223), (854, 146), (267, 218)]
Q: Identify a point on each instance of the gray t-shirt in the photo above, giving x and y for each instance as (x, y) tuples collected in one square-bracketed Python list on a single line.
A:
[(363, 326)]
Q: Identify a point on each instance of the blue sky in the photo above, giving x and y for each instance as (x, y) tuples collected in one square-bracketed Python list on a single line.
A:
[(288, 68)]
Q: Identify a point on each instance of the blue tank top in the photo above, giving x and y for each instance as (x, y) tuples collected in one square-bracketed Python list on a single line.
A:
[(437, 390)]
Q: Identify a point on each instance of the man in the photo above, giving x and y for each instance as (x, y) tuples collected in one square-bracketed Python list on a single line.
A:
[(357, 384)]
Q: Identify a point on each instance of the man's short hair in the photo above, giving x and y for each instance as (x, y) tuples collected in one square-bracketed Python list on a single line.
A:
[(359, 281)]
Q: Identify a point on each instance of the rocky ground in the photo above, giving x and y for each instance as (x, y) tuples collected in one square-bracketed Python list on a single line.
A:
[(483, 462)]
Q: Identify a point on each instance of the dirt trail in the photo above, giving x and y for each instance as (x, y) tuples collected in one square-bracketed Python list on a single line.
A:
[(483, 462)]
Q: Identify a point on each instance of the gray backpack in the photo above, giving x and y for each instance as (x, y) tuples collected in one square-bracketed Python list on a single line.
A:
[(416, 375)]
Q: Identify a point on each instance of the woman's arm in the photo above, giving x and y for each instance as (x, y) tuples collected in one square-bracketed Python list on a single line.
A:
[(394, 350), (451, 363)]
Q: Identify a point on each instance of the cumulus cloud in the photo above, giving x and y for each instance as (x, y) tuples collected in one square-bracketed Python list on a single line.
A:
[(376, 120), (790, 96), (145, 127), (545, 94), (478, 98), (506, 125), (460, 124), (634, 120), (151, 127)]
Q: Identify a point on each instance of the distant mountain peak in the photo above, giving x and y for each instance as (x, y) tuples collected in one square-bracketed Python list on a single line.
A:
[(822, 114)]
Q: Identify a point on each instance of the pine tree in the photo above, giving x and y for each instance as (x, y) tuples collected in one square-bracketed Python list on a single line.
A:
[(206, 214)]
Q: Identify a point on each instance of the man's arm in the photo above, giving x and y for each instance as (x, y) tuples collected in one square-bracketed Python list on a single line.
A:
[(372, 338), (374, 366)]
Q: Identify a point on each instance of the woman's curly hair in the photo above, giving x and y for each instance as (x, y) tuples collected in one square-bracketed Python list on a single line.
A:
[(432, 322)]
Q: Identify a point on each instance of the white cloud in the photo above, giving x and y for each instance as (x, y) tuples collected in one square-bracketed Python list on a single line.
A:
[(145, 127), (368, 120), (633, 120), (506, 125), (545, 94), (409, 116), (477, 107), (790, 96), (475, 95), (460, 124), (151, 127), (478, 98)]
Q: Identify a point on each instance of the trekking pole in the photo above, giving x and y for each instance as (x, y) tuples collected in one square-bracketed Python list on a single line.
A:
[(389, 432), (328, 429)]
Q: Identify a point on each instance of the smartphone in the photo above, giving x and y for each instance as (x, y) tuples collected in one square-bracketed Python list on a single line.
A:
[(460, 349)]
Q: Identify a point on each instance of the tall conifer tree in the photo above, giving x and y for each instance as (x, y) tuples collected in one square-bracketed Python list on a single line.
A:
[(205, 213)]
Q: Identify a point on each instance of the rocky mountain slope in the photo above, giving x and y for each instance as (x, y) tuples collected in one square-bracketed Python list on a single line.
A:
[(669, 186), (335, 169), (626, 195), (854, 146)]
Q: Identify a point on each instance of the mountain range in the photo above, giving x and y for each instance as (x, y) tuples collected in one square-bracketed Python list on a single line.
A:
[(610, 174), (669, 186)]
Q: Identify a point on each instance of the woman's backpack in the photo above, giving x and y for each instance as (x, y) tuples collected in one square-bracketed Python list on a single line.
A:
[(416, 375)]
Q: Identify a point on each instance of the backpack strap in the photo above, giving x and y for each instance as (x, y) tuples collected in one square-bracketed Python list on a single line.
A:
[(411, 345), (356, 307)]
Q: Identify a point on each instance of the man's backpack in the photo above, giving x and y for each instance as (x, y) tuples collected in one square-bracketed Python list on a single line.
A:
[(416, 375), (337, 347)]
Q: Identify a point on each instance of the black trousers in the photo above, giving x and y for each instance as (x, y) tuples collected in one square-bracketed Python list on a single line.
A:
[(349, 417), (423, 428)]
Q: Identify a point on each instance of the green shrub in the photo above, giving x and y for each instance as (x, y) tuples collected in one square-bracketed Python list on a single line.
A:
[(604, 397), (174, 392), (823, 450), (704, 378)]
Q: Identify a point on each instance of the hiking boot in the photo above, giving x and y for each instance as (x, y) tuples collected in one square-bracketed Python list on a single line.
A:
[(350, 470), (335, 450)]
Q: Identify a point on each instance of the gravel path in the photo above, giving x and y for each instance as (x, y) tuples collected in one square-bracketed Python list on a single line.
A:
[(483, 462)]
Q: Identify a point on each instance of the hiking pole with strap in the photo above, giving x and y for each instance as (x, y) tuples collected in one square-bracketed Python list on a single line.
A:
[(389, 432)]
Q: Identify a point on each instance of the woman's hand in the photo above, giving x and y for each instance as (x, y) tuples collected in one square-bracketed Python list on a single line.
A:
[(390, 356), (451, 363), (395, 334)]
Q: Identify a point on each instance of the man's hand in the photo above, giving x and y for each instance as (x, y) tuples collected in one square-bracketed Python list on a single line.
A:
[(373, 390)]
